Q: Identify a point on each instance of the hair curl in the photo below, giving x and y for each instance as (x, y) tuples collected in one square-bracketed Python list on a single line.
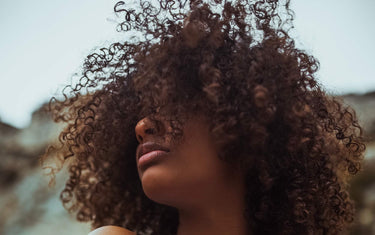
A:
[(235, 63)]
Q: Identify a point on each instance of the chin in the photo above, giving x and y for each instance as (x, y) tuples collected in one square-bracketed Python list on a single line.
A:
[(160, 185)]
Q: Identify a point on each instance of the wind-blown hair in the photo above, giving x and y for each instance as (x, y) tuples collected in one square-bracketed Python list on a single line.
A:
[(235, 63)]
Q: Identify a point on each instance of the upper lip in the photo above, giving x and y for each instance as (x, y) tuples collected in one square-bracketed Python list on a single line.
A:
[(149, 147)]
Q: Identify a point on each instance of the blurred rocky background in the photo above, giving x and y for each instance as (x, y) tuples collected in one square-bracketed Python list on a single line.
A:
[(29, 207), (363, 185)]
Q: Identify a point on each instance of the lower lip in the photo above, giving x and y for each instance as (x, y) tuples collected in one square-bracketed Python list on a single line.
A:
[(150, 157)]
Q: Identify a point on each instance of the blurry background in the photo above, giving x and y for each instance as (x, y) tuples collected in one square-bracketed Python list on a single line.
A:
[(43, 44)]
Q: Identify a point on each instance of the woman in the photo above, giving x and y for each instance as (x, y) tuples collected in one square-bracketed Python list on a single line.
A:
[(233, 135), (208, 192)]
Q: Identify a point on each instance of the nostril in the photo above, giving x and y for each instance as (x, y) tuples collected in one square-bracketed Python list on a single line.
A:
[(147, 127)]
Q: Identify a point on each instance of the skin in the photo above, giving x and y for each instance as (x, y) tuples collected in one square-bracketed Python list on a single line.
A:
[(208, 192), (112, 230)]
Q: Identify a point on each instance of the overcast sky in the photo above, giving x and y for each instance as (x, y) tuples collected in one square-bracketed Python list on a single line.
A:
[(43, 43)]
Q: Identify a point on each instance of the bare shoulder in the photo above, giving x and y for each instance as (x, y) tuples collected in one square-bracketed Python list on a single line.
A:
[(111, 230)]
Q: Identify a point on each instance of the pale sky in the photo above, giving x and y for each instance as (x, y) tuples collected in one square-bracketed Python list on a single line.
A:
[(43, 43)]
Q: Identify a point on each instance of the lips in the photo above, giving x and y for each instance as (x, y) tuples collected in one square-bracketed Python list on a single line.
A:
[(149, 147)]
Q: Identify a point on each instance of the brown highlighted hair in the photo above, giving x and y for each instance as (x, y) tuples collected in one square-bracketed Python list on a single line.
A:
[(235, 63)]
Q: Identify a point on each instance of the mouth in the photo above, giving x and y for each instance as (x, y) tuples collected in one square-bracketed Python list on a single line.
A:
[(150, 151)]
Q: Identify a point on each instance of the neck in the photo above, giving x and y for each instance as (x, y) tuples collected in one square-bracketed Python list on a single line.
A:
[(221, 214)]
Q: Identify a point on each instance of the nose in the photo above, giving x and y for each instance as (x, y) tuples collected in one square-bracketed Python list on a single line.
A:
[(147, 128)]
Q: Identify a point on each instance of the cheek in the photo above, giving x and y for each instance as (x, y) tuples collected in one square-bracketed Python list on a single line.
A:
[(200, 158), (189, 173)]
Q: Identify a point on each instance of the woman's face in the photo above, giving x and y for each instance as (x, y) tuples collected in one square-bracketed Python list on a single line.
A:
[(181, 173)]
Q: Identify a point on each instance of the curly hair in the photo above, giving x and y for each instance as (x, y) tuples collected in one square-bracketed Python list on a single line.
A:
[(235, 63)]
